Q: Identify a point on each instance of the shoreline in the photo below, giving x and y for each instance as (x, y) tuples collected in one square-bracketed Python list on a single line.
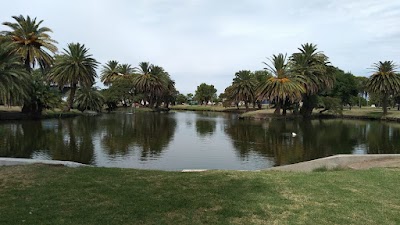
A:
[(341, 161)]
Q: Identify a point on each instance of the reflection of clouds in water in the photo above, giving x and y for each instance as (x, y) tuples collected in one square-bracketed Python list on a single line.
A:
[(360, 149)]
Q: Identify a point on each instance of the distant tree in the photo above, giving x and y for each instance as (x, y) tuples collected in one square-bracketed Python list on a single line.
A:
[(243, 87), (155, 84), (362, 89), (181, 98), (89, 98), (75, 66), (384, 81), (260, 76), (204, 93), (345, 88)]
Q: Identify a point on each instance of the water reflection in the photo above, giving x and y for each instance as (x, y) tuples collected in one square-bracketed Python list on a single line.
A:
[(150, 133), (184, 139), (67, 139)]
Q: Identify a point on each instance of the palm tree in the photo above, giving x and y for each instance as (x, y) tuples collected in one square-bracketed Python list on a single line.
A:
[(243, 87), (312, 67), (152, 81), (14, 82), (282, 87), (75, 66), (32, 42), (89, 98), (109, 72), (385, 81)]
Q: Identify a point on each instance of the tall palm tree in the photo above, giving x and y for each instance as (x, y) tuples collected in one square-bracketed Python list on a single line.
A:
[(282, 87), (75, 66), (312, 67), (243, 87), (32, 42), (385, 81), (14, 82), (109, 72)]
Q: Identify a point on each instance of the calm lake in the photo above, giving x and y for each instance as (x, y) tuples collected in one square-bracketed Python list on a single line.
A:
[(192, 140)]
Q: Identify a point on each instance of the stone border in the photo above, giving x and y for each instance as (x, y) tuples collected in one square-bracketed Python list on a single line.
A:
[(343, 161), (20, 161)]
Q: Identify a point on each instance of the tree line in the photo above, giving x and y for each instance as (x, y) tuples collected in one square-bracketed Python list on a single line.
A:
[(35, 75)]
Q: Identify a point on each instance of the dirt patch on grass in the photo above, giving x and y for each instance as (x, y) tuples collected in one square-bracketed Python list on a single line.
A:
[(376, 163), (16, 177)]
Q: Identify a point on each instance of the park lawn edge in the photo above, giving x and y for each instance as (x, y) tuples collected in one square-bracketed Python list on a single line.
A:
[(42, 194)]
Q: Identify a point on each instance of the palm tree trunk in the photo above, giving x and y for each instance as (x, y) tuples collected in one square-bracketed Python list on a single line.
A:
[(277, 108), (71, 98), (246, 104), (385, 104)]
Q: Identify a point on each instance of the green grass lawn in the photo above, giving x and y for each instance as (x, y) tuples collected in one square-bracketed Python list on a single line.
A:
[(42, 194)]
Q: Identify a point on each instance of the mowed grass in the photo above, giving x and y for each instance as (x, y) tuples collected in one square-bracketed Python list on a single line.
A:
[(42, 194)]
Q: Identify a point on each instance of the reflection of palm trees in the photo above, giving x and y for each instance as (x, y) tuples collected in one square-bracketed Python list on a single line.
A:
[(315, 139), (205, 127), (69, 139), (149, 131)]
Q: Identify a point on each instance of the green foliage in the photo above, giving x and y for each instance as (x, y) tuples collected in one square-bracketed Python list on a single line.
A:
[(32, 41), (205, 93), (243, 87), (89, 98), (345, 87), (313, 69), (155, 84), (330, 104), (181, 98), (14, 79), (75, 66), (384, 81), (283, 87)]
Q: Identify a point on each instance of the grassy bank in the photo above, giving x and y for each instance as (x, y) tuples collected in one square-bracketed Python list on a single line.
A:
[(14, 113), (57, 195), (354, 113)]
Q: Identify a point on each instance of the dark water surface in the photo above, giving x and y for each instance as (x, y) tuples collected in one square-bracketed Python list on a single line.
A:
[(192, 140)]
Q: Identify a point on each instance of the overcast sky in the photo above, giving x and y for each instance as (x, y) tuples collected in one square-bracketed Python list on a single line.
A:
[(208, 41)]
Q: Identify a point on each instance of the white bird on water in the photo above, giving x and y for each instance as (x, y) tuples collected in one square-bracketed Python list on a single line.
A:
[(294, 134)]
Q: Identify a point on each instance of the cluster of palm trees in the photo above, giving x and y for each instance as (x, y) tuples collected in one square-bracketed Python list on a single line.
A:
[(26, 45), (285, 82), (149, 81), (296, 82)]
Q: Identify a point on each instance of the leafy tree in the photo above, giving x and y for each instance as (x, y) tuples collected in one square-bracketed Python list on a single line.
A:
[(283, 88), (181, 98), (32, 41), (89, 98), (74, 67), (345, 87), (205, 93), (384, 81), (312, 67)]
